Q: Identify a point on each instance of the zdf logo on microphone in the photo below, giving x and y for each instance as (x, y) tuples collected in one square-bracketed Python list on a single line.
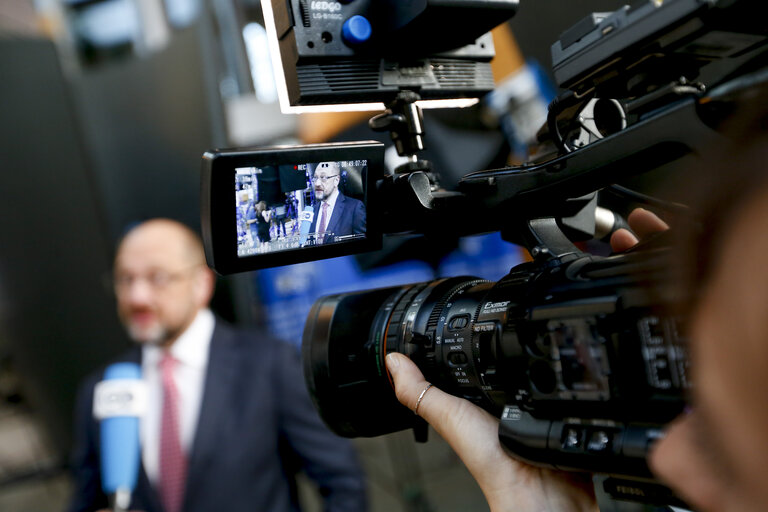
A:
[(119, 397)]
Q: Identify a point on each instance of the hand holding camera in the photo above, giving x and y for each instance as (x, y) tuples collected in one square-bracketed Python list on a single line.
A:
[(472, 432)]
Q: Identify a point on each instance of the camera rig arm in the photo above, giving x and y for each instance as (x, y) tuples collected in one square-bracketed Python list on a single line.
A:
[(502, 199), (641, 60)]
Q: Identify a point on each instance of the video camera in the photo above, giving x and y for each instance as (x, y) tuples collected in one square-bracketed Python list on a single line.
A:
[(577, 354)]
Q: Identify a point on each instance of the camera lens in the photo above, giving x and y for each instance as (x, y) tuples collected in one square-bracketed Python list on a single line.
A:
[(347, 337)]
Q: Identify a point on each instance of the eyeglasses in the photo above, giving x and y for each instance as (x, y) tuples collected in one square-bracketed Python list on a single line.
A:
[(158, 280), (323, 178)]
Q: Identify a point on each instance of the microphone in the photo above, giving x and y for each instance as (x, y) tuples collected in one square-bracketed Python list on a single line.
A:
[(118, 402), (306, 217)]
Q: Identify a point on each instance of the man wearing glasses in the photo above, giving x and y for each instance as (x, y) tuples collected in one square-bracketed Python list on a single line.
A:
[(336, 215), (228, 419)]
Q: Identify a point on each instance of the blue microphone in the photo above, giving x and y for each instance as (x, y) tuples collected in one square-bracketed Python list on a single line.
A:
[(305, 217), (118, 402)]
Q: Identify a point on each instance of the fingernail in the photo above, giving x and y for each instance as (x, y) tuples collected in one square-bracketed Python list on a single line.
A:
[(392, 361)]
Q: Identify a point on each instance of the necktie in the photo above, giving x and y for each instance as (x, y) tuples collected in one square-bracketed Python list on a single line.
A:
[(321, 231), (173, 462)]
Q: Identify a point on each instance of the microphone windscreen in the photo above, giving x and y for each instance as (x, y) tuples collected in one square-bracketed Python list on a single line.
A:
[(119, 401), (305, 219)]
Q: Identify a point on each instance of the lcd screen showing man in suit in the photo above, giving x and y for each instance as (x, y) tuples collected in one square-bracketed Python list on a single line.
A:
[(338, 217), (228, 419)]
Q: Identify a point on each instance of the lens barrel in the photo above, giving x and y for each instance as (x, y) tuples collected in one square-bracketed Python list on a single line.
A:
[(345, 374), (347, 337)]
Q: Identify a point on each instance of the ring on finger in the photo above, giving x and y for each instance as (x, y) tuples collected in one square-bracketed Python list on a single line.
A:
[(418, 400)]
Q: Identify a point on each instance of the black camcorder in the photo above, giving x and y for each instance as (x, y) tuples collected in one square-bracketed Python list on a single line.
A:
[(582, 357)]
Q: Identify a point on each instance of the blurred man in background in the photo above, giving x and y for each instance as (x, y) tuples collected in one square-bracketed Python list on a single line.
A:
[(229, 420)]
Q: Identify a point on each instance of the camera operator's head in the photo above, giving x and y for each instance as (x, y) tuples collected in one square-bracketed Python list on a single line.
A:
[(160, 281), (717, 456), (326, 180)]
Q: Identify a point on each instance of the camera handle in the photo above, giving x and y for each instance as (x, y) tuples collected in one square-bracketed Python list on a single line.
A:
[(546, 241), (549, 238)]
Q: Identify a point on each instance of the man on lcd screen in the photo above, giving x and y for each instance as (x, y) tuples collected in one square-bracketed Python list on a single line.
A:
[(336, 215)]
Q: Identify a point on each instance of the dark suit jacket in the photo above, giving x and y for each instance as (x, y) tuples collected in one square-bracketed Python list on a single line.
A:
[(257, 426), (348, 218)]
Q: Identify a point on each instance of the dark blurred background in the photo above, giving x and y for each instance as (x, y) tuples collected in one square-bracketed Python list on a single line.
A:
[(105, 109)]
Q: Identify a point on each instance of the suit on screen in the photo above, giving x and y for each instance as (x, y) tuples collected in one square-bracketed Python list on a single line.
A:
[(348, 218)]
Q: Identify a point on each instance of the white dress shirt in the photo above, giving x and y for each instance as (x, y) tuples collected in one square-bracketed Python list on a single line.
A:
[(191, 353)]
